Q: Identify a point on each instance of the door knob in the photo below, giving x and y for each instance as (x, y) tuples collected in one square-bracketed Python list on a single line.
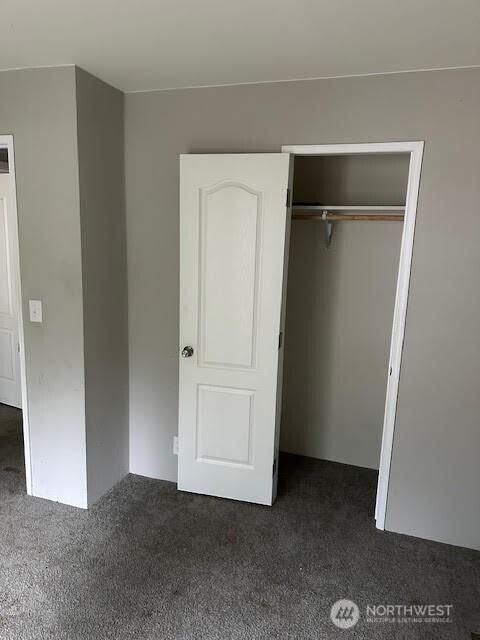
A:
[(187, 352)]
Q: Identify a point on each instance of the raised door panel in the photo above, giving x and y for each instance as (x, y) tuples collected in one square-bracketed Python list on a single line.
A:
[(225, 425), (7, 356), (230, 227)]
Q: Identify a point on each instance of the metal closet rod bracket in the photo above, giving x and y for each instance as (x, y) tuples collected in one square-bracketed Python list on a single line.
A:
[(328, 228)]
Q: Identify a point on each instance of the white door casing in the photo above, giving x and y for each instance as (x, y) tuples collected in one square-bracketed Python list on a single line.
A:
[(234, 222), (10, 378)]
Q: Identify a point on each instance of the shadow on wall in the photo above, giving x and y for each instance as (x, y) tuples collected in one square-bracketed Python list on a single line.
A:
[(308, 393)]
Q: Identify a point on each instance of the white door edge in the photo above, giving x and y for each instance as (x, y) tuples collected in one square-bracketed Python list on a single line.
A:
[(6, 142)]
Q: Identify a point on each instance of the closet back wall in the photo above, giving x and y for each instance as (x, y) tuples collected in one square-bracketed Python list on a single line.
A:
[(340, 310), (435, 472)]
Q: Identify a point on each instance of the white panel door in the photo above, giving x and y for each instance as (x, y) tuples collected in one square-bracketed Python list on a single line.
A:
[(234, 223), (10, 384)]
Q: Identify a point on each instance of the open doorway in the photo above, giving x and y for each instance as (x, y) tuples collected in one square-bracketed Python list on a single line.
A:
[(14, 434), (353, 219)]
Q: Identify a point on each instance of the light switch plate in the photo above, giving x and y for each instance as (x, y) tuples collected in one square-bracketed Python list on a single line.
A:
[(175, 445), (35, 307)]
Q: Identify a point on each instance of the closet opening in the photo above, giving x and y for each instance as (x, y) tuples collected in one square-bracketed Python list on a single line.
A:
[(353, 217)]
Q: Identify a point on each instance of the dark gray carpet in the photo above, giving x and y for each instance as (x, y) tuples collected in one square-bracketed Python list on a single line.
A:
[(148, 562)]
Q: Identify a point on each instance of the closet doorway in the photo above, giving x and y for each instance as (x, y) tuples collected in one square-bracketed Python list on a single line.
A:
[(353, 221), (235, 222)]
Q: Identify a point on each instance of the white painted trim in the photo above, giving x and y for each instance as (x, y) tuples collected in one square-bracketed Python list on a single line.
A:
[(415, 149), (350, 149), (6, 142), (398, 331)]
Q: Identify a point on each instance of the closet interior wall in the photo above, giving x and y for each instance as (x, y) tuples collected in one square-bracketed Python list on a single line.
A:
[(340, 305)]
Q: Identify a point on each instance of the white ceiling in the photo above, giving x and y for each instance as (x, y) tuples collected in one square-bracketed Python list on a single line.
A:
[(140, 45)]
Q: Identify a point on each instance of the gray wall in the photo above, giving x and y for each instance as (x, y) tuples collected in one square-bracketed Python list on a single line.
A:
[(68, 133), (435, 472), (104, 273), (38, 108), (340, 311)]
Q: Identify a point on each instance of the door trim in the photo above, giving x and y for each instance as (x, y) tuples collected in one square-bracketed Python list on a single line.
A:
[(415, 149), (6, 142)]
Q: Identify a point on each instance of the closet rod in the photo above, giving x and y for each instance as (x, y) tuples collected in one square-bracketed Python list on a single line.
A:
[(362, 217), (336, 207)]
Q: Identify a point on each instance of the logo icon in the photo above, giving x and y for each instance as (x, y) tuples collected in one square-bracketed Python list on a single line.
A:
[(344, 614)]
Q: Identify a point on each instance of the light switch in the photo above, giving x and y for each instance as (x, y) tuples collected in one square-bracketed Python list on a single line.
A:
[(35, 310)]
